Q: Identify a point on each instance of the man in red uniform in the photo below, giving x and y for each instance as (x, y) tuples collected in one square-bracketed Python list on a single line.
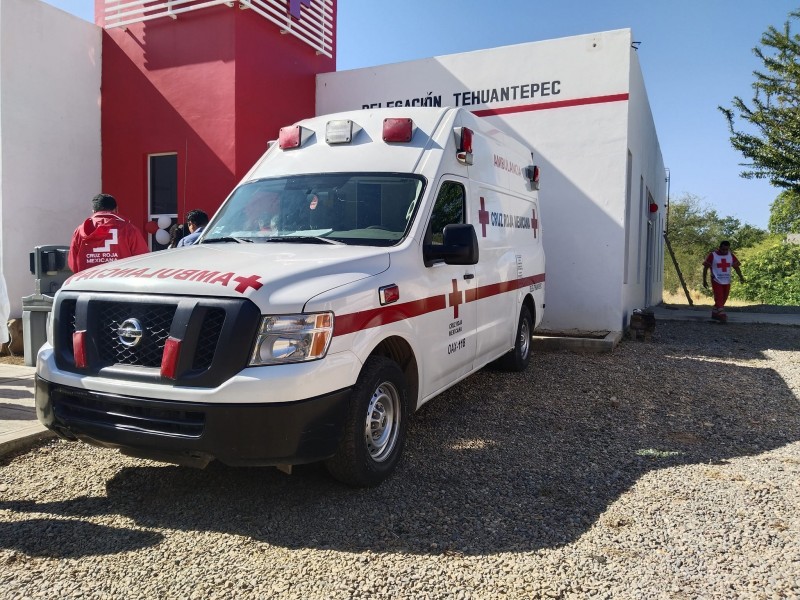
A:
[(103, 237), (720, 262)]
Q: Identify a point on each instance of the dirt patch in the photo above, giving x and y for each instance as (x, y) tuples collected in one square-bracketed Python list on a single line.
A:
[(12, 360)]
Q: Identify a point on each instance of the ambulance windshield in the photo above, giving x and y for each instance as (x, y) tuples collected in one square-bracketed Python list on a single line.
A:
[(371, 209)]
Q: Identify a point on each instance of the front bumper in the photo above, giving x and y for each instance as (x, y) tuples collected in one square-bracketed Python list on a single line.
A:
[(195, 433)]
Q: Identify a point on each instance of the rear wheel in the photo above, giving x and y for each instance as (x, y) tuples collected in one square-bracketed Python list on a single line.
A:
[(375, 430), (520, 355)]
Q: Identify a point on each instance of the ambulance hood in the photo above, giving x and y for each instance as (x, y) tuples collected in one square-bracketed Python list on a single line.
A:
[(278, 277)]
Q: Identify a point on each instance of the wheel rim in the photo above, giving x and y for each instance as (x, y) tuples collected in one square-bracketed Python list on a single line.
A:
[(383, 421), (524, 339)]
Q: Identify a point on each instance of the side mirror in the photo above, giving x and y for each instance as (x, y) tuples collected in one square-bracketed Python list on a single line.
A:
[(459, 247)]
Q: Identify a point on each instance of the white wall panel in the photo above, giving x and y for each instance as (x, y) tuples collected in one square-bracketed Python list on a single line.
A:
[(49, 132)]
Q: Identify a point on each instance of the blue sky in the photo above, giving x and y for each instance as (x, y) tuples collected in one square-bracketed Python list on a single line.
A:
[(695, 55)]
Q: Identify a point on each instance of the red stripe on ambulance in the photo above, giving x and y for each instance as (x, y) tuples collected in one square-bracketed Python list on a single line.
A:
[(376, 317), (354, 322)]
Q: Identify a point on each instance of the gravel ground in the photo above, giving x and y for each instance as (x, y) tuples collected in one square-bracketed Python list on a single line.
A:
[(667, 469)]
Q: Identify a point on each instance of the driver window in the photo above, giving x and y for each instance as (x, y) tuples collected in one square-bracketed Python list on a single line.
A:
[(448, 209)]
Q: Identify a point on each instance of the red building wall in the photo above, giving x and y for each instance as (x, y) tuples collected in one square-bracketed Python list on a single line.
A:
[(212, 86)]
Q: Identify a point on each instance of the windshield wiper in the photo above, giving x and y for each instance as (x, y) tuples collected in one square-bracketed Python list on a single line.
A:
[(304, 239), (222, 240)]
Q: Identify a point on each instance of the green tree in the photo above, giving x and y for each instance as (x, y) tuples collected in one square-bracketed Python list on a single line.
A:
[(772, 142), (772, 273), (784, 213), (695, 230)]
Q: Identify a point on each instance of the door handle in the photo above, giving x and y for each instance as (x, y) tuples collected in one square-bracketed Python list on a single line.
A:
[(469, 275)]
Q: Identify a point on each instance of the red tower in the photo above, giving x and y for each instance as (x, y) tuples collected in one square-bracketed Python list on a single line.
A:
[(192, 91)]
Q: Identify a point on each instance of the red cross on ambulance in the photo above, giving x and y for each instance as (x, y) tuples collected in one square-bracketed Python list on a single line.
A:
[(483, 217), (253, 281), (455, 298)]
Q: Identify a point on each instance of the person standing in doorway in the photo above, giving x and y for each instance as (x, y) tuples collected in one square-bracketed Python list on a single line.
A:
[(720, 262), (103, 237), (196, 221)]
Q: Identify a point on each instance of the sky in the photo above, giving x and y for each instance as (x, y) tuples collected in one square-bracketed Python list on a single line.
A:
[(695, 55)]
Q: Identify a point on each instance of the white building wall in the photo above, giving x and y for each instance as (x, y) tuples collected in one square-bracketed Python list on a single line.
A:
[(645, 278), (49, 132), (578, 129)]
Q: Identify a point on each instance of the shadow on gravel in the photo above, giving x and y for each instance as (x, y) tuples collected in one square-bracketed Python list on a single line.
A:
[(61, 538), (500, 463)]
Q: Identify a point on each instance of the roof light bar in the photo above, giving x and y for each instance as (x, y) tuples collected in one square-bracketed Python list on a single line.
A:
[(398, 130), (293, 136), (341, 131)]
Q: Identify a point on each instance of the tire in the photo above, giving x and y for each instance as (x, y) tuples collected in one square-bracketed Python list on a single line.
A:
[(375, 430), (520, 356)]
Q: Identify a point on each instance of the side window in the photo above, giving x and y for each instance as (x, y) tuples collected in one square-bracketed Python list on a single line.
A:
[(449, 208)]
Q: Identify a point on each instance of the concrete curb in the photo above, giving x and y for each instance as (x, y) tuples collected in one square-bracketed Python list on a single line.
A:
[(577, 344), (24, 438)]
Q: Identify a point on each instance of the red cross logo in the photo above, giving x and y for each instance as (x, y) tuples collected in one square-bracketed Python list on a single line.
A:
[(535, 224), (455, 298), (247, 282), (483, 217), (723, 264)]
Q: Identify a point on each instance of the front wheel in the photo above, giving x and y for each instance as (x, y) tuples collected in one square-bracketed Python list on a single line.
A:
[(375, 429), (519, 357)]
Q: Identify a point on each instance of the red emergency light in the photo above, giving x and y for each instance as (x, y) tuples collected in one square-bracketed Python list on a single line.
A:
[(293, 136), (398, 130), (79, 349), (532, 174), (169, 359), (464, 145), (466, 140)]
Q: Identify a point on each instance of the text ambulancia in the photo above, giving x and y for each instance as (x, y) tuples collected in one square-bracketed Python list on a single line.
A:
[(369, 261)]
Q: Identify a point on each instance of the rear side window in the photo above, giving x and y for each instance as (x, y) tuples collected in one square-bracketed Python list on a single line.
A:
[(448, 209)]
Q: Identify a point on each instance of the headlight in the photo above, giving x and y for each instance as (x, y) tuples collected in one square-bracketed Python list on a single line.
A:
[(292, 338)]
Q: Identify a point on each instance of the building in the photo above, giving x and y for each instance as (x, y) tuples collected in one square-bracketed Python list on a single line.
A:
[(581, 105), (49, 132), (192, 91)]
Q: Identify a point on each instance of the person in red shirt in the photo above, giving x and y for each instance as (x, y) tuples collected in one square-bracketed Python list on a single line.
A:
[(103, 237), (720, 262)]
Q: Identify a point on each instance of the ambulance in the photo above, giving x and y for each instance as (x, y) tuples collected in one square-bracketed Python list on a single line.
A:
[(369, 261)]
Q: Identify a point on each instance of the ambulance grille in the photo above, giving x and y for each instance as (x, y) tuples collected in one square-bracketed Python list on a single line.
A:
[(156, 320), (209, 334), (68, 314), (126, 334)]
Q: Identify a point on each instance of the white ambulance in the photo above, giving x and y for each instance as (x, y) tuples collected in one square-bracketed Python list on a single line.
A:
[(369, 261)]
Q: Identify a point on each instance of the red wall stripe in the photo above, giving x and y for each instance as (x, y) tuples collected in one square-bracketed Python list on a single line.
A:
[(488, 112), (351, 323)]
